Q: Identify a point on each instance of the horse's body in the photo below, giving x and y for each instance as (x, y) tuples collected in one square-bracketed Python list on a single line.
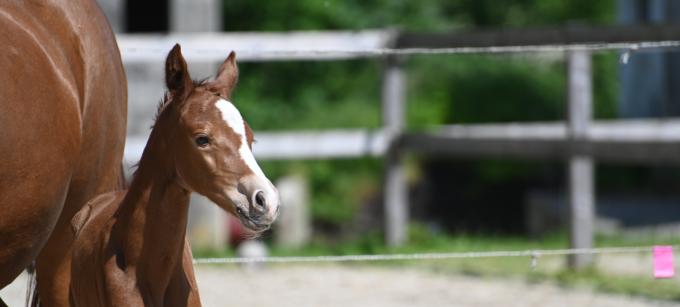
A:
[(63, 104), (130, 247)]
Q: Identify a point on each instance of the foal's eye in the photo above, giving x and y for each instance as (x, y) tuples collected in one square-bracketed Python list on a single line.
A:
[(202, 141)]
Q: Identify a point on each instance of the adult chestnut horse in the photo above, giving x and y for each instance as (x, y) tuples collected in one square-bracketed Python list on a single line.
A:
[(63, 105), (130, 245)]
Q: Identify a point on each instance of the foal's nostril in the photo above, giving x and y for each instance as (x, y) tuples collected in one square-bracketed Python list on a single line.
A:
[(260, 200)]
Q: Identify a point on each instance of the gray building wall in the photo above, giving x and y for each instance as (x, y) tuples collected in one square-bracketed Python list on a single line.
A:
[(650, 82)]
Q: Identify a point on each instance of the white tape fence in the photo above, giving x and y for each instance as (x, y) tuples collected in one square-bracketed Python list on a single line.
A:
[(533, 254)]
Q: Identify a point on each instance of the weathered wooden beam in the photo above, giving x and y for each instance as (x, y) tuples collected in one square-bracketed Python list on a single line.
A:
[(195, 15), (293, 228), (349, 143), (636, 141), (395, 191), (254, 46), (580, 169), (320, 144)]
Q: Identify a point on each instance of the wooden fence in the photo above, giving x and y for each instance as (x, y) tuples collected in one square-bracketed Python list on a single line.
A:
[(577, 140)]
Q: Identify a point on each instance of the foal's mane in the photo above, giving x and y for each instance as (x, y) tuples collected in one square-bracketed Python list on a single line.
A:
[(161, 106), (167, 97)]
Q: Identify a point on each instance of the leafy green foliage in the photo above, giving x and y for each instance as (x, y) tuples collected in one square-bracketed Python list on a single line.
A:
[(430, 15), (310, 95), (338, 187), (441, 89), (487, 89)]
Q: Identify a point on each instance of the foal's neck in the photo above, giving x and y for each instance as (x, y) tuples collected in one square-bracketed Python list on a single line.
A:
[(152, 220)]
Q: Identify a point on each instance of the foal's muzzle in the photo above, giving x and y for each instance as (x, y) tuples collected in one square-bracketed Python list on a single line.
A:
[(263, 206)]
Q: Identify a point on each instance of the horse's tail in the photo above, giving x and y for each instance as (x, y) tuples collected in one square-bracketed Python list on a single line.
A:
[(32, 297)]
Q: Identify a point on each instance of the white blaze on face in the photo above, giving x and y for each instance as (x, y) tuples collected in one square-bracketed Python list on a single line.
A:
[(233, 118)]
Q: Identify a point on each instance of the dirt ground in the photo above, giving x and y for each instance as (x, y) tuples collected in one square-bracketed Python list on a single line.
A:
[(345, 286)]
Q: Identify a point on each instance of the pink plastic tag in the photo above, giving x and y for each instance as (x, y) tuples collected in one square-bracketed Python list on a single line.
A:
[(663, 262)]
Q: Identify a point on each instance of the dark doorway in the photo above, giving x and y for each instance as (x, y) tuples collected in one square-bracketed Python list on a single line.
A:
[(146, 16)]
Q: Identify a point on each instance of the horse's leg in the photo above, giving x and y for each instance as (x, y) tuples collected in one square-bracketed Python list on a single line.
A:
[(183, 290), (30, 208)]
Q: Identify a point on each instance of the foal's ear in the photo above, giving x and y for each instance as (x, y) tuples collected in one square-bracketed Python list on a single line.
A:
[(177, 76), (227, 76)]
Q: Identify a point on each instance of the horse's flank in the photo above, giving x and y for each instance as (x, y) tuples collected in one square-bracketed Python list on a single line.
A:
[(63, 102)]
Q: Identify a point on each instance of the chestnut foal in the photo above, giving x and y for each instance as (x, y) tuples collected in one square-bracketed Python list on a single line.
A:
[(130, 246)]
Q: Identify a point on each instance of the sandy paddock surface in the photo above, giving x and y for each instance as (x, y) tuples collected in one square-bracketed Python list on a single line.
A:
[(345, 286)]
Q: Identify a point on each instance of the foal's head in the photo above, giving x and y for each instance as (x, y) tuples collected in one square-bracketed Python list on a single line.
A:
[(211, 143)]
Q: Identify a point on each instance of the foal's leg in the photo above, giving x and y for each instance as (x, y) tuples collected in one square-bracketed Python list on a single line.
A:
[(53, 265), (182, 290)]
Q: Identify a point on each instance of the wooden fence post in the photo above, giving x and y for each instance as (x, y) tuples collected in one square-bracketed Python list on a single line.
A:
[(293, 227), (580, 169), (396, 188), (207, 227), (195, 15)]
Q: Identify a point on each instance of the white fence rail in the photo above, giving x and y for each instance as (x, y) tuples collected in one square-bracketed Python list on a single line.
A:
[(254, 46), (300, 145), (640, 141)]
